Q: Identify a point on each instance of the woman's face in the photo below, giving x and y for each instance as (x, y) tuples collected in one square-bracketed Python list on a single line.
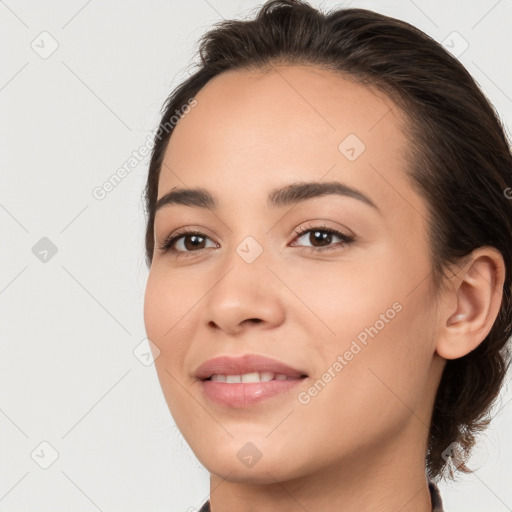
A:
[(357, 318)]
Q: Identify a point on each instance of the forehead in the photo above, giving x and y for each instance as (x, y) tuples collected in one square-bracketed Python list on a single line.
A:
[(252, 131)]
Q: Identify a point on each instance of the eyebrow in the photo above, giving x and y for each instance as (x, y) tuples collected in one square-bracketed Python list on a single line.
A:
[(277, 198)]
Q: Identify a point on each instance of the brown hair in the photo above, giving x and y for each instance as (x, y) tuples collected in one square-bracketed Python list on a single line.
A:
[(460, 163)]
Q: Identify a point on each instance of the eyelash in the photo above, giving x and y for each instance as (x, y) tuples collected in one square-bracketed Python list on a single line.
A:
[(172, 239)]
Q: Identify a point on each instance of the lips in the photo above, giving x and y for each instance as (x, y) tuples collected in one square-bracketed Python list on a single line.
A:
[(248, 363)]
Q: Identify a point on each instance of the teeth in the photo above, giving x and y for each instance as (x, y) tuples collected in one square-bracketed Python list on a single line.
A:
[(266, 376), (249, 377)]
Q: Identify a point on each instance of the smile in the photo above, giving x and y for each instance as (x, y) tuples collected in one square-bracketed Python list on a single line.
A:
[(233, 392)]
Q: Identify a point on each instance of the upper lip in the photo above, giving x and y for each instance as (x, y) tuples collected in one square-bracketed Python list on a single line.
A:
[(225, 365)]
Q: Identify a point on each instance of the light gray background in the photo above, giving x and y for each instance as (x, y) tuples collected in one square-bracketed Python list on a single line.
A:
[(70, 324)]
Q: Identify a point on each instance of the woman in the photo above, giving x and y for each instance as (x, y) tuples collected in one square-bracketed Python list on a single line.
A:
[(329, 238)]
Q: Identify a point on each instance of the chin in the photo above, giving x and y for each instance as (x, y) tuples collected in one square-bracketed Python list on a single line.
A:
[(242, 460)]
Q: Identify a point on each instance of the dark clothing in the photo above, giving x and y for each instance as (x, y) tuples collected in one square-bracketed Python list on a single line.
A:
[(437, 502), (435, 495)]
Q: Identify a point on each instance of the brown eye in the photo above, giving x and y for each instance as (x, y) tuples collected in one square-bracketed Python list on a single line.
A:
[(192, 242), (320, 238), (185, 242)]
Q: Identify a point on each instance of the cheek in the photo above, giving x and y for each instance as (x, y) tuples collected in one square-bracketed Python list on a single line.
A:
[(169, 323), (170, 295), (155, 303), (370, 316), (168, 309), (343, 298)]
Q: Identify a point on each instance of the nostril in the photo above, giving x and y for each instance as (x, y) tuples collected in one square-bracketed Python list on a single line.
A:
[(254, 320)]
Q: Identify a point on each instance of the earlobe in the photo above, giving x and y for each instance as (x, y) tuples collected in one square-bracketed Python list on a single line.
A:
[(476, 291)]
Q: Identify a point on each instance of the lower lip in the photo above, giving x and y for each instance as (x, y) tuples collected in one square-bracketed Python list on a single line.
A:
[(246, 394)]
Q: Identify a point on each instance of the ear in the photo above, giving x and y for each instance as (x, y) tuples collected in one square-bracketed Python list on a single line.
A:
[(471, 303)]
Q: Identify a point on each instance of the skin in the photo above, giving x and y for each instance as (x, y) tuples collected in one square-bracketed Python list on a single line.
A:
[(360, 443)]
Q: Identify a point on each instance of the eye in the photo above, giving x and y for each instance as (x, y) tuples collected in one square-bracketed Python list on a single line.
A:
[(323, 236), (184, 242), (187, 242)]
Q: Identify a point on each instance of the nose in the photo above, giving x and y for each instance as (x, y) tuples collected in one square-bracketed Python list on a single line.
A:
[(247, 295)]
